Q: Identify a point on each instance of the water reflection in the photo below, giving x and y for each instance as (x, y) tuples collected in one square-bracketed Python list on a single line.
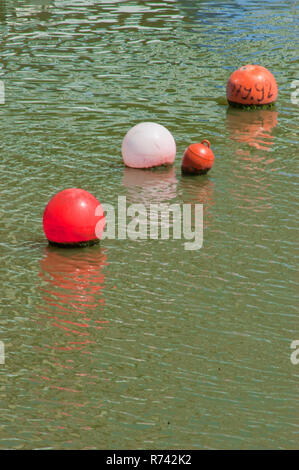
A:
[(3, 11), (150, 186), (252, 127), (198, 190), (202, 12), (148, 14), (34, 8), (72, 292)]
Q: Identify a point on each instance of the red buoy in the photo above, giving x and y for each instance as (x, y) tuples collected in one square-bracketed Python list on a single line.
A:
[(73, 217), (251, 85), (198, 159)]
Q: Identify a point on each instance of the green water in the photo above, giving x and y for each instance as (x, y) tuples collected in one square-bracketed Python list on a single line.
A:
[(142, 344)]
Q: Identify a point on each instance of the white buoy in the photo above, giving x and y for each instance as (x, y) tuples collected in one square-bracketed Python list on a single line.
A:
[(147, 145)]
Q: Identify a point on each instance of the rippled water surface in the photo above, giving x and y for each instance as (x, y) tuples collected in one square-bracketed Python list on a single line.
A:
[(142, 344)]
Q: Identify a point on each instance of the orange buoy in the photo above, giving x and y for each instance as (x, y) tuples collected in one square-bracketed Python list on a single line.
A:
[(251, 85), (198, 159)]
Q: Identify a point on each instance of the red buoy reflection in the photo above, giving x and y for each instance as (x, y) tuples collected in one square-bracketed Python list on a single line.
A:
[(72, 292)]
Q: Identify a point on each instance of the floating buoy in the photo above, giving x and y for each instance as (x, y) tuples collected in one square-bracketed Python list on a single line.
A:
[(147, 145), (251, 85), (198, 159), (73, 217)]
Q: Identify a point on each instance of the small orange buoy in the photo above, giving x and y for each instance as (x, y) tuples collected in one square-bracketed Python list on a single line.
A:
[(198, 159), (251, 85)]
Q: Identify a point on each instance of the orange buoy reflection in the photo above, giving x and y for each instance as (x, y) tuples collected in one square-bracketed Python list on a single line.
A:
[(252, 127), (72, 292), (198, 190)]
